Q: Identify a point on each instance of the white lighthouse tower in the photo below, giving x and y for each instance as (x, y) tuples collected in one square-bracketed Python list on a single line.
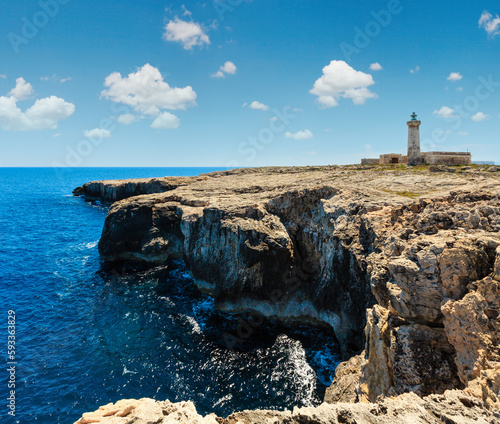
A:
[(414, 155)]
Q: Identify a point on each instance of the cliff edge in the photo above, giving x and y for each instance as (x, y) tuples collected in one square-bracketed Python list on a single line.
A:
[(403, 264)]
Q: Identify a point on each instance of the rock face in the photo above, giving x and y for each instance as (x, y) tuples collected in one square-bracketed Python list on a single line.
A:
[(111, 191), (403, 264), (452, 407)]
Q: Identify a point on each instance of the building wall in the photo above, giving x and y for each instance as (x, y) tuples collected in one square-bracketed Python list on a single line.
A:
[(390, 158), (370, 161), (448, 158)]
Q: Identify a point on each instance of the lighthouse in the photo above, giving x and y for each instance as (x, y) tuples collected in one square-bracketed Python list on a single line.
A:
[(414, 155)]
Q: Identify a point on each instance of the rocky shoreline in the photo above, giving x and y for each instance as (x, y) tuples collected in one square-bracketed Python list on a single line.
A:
[(403, 264)]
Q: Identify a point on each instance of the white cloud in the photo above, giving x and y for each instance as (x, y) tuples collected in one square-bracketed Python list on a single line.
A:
[(480, 116), (165, 121), (22, 90), (297, 109), (228, 68), (463, 133), (55, 78), (445, 112), (147, 92), (126, 119), (43, 115), (340, 80), (98, 133), (489, 23), (414, 71), (189, 34), (3, 76), (186, 12), (327, 130), (454, 77), (300, 135), (376, 66), (258, 105), (459, 89)]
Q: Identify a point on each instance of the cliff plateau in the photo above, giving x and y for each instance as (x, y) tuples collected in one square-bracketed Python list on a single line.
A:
[(403, 264)]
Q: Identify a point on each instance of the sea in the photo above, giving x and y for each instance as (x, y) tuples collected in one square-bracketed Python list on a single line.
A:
[(84, 333)]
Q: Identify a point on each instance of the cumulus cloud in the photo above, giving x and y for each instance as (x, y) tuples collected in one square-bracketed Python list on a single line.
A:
[(480, 116), (300, 135), (445, 112), (22, 90), (43, 115), (454, 77), (340, 80), (490, 24), (126, 119), (165, 121), (258, 105), (228, 68), (97, 133), (147, 92), (189, 34), (414, 71), (376, 66)]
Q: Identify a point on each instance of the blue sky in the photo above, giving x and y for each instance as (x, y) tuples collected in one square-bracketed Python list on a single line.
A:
[(244, 83)]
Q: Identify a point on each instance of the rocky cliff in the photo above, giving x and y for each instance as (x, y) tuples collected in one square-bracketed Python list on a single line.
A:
[(111, 191), (402, 264)]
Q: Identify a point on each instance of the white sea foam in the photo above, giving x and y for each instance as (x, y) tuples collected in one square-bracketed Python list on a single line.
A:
[(194, 325), (126, 371), (296, 369)]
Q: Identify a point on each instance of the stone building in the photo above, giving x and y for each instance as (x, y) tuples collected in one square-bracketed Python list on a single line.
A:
[(415, 156)]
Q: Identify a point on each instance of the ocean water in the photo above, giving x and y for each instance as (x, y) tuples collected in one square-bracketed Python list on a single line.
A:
[(88, 333)]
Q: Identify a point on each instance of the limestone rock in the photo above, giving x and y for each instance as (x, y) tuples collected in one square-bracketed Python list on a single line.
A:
[(111, 191), (473, 327), (345, 386), (451, 407), (146, 411), (403, 263)]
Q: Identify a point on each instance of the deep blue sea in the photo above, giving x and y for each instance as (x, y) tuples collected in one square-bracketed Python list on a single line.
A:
[(88, 334)]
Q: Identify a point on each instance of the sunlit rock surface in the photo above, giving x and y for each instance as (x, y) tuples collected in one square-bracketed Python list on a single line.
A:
[(403, 265)]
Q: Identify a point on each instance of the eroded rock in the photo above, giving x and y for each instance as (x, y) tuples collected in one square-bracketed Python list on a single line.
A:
[(406, 265)]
